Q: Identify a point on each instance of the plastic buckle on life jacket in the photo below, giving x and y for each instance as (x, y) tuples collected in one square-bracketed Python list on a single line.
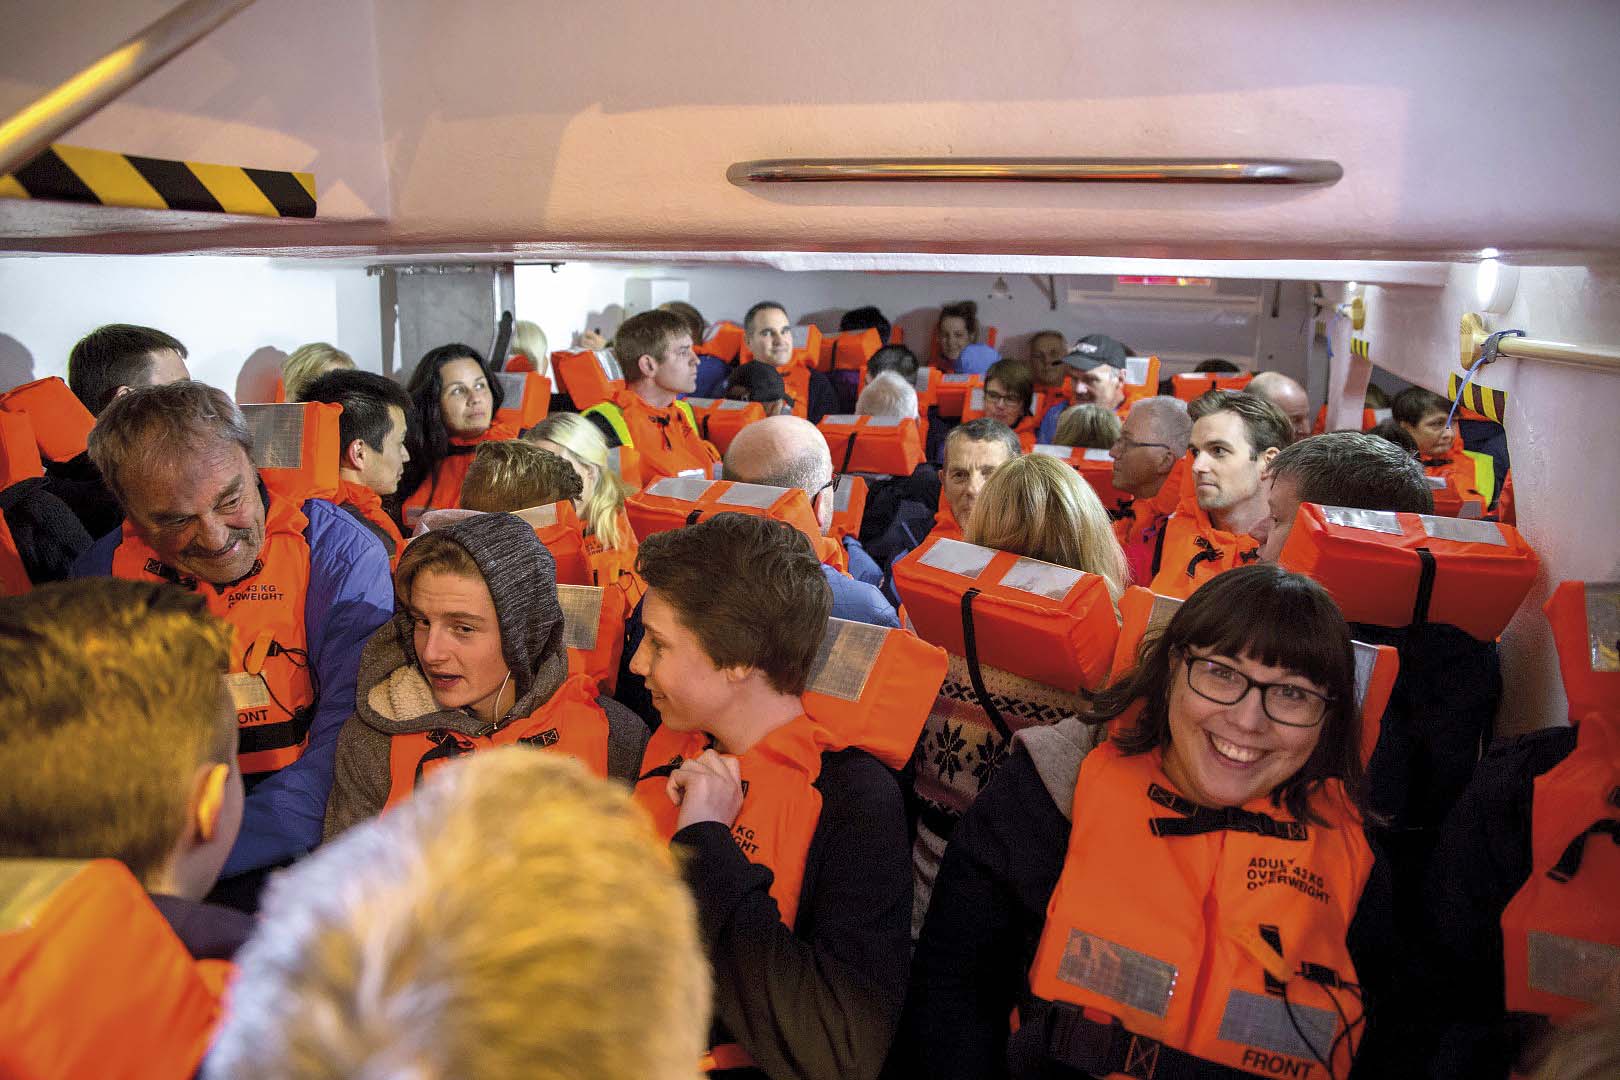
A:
[(1087, 1039)]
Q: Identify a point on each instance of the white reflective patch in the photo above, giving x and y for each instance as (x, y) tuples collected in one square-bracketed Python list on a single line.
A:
[(1603, 624), (1436, 483), (956, 380), (278, 435), (1093, 454), (732, 406), (842, 492), (1463, 532), (1471, 510), (1380, 415), (1379, 521), (976, 399), (687, 488), (883, 421), (1041, 578), (756, 495), (1264, 1021), (1124, 975), (801, 337), (608, 363), (700, 402), (923, 379), (845, 660), (955, 557), (541, 516), (247, 691), (1136, 369), (515, 384), (582, 614), (841, 418), (1366, 657), (1159, 616), (1571, 967), (1063, 453)]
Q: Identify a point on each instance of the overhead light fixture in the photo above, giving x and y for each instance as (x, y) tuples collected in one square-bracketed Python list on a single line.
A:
[(1495, 285), (1000, 290)]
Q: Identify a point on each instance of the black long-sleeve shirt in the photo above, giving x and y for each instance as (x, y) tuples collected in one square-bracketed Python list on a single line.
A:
[(821, 999)]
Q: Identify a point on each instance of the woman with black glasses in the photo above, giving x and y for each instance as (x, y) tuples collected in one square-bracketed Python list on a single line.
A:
[(1179, 884)]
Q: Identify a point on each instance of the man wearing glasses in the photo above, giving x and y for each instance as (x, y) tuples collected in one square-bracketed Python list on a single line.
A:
[(1149, 465)]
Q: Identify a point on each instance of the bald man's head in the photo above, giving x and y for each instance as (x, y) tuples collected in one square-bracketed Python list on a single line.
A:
[(783, 451), (1288, 396)]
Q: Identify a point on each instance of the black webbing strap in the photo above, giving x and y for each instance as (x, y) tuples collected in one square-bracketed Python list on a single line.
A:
[(703, 428), (1103, 1047), (446, 745), (1425, 589), (971, 648), (849, 450), (1195, 820), (1207, 552), (1569, 863), (694, 517), (1158, 546)]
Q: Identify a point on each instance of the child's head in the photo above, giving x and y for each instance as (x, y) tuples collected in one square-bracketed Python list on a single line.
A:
[(513, 475), (117, 732)]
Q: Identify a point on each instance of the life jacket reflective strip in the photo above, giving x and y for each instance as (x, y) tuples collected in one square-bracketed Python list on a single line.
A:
[(570, 722), (441, 489), (1226, 942), (849, 507), (1096, 467), (951, 393), (1195, 384), (725, 341), (677, 501), (626, 462), (1192, 550), (1141, 381), (886, 445), (368, 504), (527, 399), (96, 982), (850, 350), (589, 377), (1402, 569), (593, 630), (927, 387), (667, 440), (1045, 622), (1561, 932), (297, 448), (270, 675), (61, 422), (720, 419)]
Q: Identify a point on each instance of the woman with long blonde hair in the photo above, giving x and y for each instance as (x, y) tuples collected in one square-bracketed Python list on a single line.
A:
[(609, 543), (1039, 507)]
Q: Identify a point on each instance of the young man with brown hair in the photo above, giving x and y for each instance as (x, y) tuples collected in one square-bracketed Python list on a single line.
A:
[(655, 351)]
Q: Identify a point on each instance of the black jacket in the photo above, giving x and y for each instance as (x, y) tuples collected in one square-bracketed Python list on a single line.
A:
[(209, 931)]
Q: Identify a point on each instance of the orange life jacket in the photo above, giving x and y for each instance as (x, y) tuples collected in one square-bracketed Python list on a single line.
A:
[(593, 630), (720, 419), (563, 534), (1138, 521), (625, 461), (849, 507), (1394, 569), (677, 501), (1195, 384), (871, 687), (270, 670), (945, 524), (886, 445), (608, 565), (725, 341), (1141, 381), (796, 383), (96, 982), (1096, 467), (571, 722), (1048, 396), (1455, 482), (1044, 622), (1192, 550), (61, 422), (1561, 932), (952, 392), (527, 399), (441, 489), (927, 386), (19, 461), (588, 377), (297, 448), (850, 350), (667, 439), (1231, 935), (368, 504), (806, 355)]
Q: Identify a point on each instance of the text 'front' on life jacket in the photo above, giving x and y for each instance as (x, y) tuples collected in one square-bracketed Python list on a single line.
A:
[(1045, 622), (677, 501), (884, 445), (19, 463), (297, 448), (1227, 947), (96, 982), (1193, 385), (849, 506), (61, 422), (1398, 569), (527, 398), (720, 419), (1096, 467), (588, 377), (1561, 931)]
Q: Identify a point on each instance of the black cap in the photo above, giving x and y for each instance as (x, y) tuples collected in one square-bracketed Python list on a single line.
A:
[(756, 381), (1095, 349)]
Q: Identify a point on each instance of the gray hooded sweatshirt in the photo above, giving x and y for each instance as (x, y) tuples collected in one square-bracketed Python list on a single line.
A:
[(393, 696)]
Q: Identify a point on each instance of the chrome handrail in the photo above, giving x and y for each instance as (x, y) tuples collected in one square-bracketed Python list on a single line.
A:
[(1474, 335), (45, 120), (1038, 170)]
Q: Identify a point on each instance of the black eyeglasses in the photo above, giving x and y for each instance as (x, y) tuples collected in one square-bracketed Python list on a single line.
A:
[(1284, 703)]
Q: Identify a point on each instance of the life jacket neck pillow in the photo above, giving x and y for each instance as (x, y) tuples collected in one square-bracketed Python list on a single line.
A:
[(1045, 622), (61, 422), (593, 631), (849, 506), (1096, 467), (528, 398), (927, 387), (676, 501), (953, 390), (19, 450), (588, 377), (850, 350), (1141, 378), (1585, 618), (626, 462), (872, 687), (297, 448), (884, 445), (1399, 569), (563, 534), (720, 419), (725, 341), (1195, 384)]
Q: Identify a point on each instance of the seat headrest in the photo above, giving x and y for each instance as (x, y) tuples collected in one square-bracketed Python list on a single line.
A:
[(297, 448)]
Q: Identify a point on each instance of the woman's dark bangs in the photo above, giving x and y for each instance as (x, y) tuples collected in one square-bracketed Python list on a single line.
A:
[(1281, 628)]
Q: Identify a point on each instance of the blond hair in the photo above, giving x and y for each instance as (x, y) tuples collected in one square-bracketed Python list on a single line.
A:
[(1089, 426), (1039, 507), (510, 475), (584, 441), (307, 362), (110, 700), (530, 340), (517, 917)]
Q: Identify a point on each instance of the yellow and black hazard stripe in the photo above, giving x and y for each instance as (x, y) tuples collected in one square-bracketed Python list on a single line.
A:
[(1489, 403), (76, 174), (1360, 347)]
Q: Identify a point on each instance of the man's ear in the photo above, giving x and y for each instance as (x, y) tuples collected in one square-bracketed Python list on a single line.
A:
[(1266, 458), (210, 801), (646, 365), (354, 455)]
